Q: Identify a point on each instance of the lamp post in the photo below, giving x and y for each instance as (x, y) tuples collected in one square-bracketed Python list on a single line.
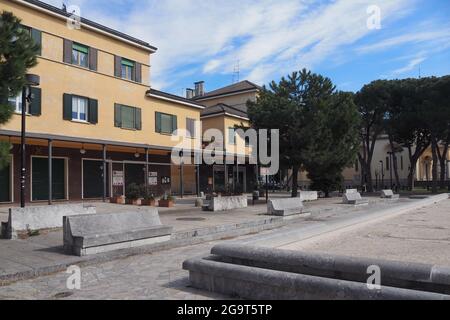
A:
[(32, 80)]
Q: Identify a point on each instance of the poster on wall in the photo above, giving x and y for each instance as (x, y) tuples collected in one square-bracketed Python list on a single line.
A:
[(118, 179), (165, 180), (153, 178)]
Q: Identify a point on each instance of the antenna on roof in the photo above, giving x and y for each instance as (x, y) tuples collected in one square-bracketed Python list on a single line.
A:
[(64, 7), (236, 72)]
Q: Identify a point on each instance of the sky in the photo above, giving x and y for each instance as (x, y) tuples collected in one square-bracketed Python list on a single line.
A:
[(353, 42)]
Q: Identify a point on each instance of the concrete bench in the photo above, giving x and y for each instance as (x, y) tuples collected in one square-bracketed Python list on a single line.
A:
[(353, 197), (285, 207), (93, 234), (35, 218), (259, 273), (309, 195), (226, 203), (389, 194)]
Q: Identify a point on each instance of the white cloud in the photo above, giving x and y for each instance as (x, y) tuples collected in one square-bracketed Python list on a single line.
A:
[(268, 37), (410, 66)]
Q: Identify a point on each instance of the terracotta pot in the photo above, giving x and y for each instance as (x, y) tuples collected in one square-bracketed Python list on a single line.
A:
[(166, 203), (117, 200), (151, 203), (134, 202)]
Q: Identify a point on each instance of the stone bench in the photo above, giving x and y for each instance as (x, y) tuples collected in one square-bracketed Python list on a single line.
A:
[(35, 218), (389, 194), (93, 234), (309, 195), (285, 207), (226, 203), (353, 197), (259, 273)]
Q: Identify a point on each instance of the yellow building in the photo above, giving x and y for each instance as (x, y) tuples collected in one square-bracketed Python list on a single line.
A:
[(226, 109), (94, 114)]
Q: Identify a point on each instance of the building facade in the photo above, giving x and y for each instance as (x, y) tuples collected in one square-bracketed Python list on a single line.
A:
[(225, 110), (95, 125)]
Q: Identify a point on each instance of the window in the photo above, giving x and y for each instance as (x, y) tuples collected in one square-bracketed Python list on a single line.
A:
[(127, 69), (190, 127), (231, 136), (127, 117), (166, 123), (79, 108), (80, 55), (16, 103), (387, 163)]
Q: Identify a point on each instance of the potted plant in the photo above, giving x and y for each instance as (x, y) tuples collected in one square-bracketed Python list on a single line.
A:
[(167, 201), (117, 199), (133, 195), (148, 199)]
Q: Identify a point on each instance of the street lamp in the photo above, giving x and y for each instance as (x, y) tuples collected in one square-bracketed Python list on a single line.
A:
[(32, 80)]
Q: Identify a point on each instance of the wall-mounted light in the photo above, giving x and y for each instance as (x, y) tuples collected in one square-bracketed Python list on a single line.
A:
[(137, 154), (11, 146), (82, 150)]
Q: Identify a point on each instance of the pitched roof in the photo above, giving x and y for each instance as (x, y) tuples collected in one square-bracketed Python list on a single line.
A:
[(223, 109), (171, 97), (90, 23), (232, 89)]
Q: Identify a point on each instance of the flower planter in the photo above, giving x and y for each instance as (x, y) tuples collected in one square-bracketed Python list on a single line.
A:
[(150, 203), (117, 200), (135, 202), (166, 203)]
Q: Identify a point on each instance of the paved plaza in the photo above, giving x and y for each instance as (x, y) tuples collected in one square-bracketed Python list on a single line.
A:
[(421, 235)]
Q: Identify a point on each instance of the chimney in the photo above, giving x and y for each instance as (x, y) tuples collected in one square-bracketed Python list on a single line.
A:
[(189, 93), (199, 88)]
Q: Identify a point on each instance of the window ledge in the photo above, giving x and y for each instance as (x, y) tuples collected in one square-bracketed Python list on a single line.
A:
[(80, 122), (20, 114)]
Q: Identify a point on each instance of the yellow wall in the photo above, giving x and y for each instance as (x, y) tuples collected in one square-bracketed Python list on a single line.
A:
[(58, 78)]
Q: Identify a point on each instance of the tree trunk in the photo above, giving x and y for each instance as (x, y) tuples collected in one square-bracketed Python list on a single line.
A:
[(395, 164), (295, 181), (434, 146)]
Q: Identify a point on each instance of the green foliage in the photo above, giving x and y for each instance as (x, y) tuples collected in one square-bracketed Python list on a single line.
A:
[(4, 154), (18, 53), (318, 126), (133, 191)]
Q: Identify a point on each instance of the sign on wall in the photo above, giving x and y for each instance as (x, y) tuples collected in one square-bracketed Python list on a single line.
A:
[(118, 179), (165, 180)]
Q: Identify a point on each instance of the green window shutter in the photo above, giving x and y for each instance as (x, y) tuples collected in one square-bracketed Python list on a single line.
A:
[(174, 123), (93, 111), (118, 66), (67, 106), (117, 115), (35, 106), (67, 54), (36, 35), (138, 119), (93, 59), (158, 122), (138, 73)]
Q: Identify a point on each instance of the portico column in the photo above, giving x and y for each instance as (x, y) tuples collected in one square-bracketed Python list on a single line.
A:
[(50, 172), (146, 171), (104, 173)]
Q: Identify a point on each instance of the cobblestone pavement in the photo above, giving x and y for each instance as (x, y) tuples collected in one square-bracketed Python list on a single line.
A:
[(156, 276), (422, 235)]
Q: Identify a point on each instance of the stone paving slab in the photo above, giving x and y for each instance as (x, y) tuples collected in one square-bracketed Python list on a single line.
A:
[(43, 254), (160, 276)]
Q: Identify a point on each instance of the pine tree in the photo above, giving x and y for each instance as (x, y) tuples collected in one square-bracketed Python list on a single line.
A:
[(18, 53)]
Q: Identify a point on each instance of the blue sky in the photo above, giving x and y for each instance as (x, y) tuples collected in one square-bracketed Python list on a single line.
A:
[(205, 40)]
